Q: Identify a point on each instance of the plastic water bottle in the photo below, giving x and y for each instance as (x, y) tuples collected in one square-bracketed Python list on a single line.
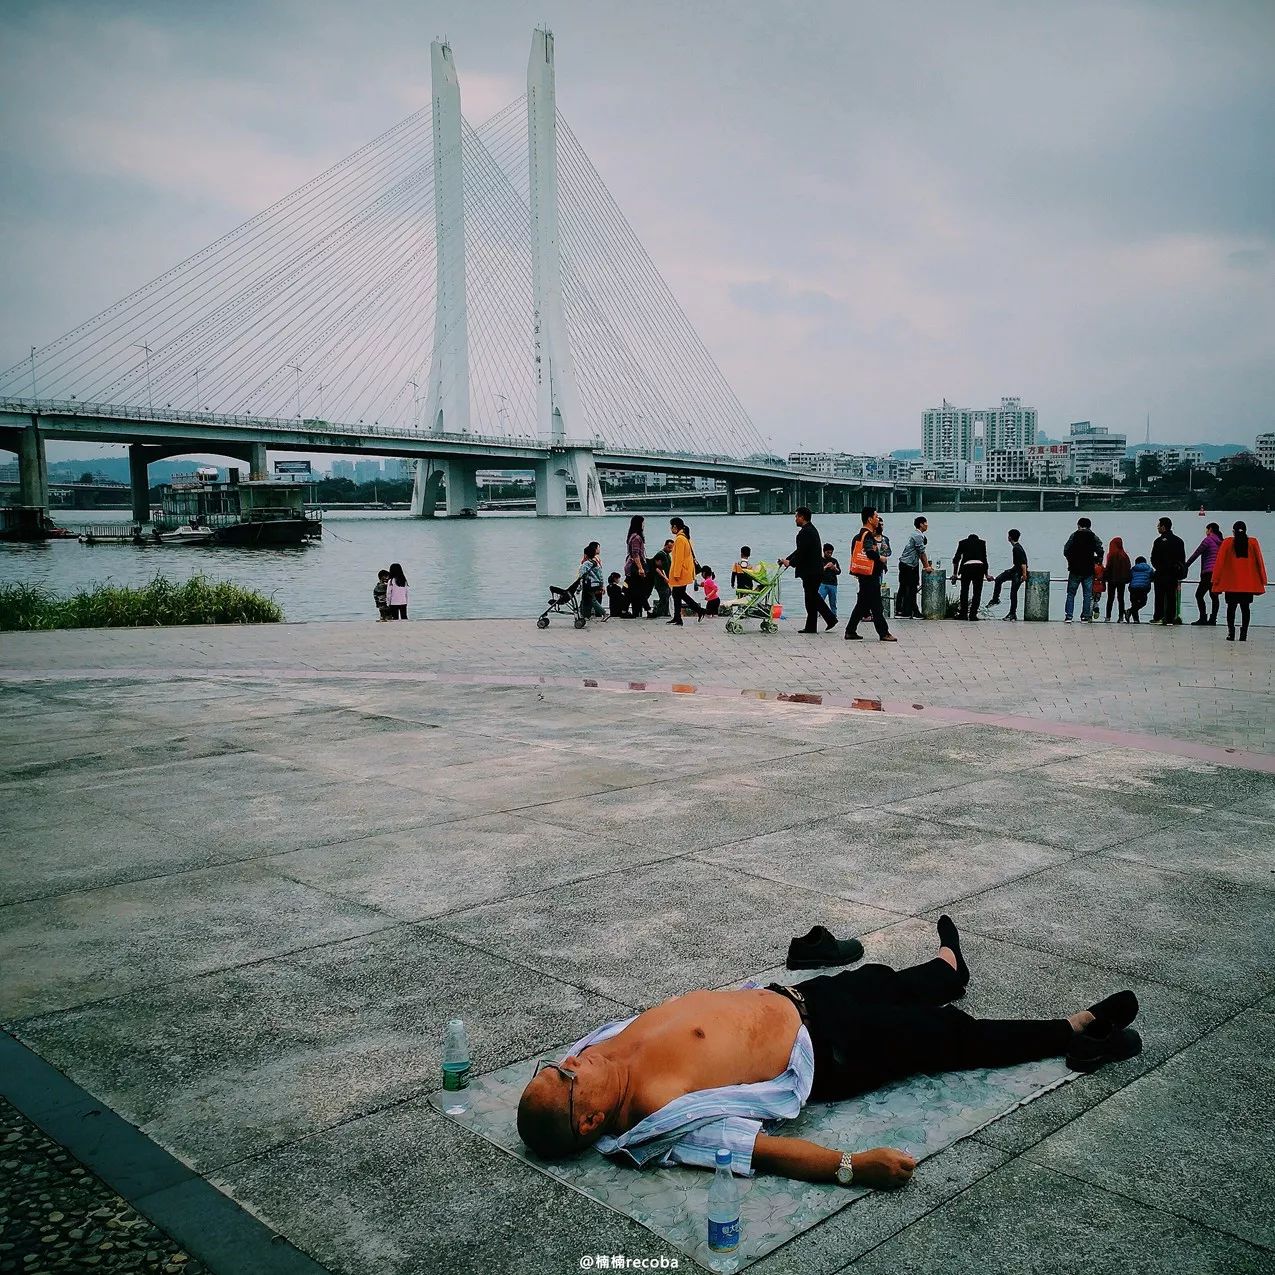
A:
[(456, 1069), (723, 1217)]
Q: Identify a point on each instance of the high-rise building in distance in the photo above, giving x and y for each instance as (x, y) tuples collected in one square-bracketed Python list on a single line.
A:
[(952, 436)]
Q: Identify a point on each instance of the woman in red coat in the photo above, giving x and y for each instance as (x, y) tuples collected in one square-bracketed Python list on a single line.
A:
[(1240, 573)]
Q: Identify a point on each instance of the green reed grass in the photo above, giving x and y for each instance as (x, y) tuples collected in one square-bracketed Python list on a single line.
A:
[(106, 606)]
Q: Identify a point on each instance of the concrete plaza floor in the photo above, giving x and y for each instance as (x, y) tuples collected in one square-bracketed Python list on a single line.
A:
[(248, 875)]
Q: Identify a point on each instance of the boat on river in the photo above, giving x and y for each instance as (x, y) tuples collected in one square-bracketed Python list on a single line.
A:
[(197, 509)]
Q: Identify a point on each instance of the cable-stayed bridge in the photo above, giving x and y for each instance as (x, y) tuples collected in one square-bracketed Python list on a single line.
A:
[(462, 297)]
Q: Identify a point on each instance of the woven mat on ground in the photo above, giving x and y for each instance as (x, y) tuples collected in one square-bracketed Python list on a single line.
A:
[(921, 1115)]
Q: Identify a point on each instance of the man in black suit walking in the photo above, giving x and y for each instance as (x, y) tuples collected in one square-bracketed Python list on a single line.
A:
[(806, 561)]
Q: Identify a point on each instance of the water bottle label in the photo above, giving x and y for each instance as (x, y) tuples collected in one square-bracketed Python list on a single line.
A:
[(723, 1236), (455, 1077)]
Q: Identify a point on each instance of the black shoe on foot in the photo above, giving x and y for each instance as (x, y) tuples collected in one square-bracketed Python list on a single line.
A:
[(948, 937), (853, 637), (1088, 1052), (1114, 1011), (821, 947)]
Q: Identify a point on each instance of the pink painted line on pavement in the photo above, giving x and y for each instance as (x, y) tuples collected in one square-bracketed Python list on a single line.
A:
[(1213, 754)]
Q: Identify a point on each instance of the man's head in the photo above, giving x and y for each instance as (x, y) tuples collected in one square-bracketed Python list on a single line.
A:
[(668, 544), (1013, 535), (869, 516), (922, 524), (1084, 523), (1165, 525), (745, 551), (565, 1107), (802, 515)]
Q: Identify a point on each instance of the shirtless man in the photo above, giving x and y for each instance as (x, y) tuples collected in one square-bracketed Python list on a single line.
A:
[(715, 1069)]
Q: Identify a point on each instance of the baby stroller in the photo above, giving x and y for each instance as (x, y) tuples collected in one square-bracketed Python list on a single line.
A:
[(563, 602), (758, 603)]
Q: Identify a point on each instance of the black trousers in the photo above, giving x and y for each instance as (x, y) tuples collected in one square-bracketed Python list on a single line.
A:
[(909, 582), (661, 595), (637, 586), (971, 584), (815, 605), (1115, 592), (1166, 601), (1137, 600), (873, 1025), (683, 599), (1014, 578), (1204, 590), (1242, 601), (867, 604)]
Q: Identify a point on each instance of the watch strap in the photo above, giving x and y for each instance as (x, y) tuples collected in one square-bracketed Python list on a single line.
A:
[(845, 1170)]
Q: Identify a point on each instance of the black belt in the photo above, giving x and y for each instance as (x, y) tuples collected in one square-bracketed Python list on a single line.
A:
[(792, 994)]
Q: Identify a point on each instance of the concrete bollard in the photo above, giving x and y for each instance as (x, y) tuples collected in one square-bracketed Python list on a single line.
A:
[(1036, 596), (934, 595)]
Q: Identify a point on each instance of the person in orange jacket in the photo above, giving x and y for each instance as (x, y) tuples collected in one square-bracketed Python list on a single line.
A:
[(682, 571), (1239, 573)]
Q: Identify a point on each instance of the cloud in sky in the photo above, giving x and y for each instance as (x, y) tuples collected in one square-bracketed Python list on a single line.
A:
[(863, 208)]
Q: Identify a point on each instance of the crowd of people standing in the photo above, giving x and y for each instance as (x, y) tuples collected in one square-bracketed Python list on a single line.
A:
[(1231, 568)]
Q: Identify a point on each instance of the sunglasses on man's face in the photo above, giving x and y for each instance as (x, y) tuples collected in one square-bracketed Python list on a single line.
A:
[(570, 1077)]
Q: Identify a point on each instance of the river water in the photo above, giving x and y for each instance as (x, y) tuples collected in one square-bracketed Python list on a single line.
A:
[(499, 565)]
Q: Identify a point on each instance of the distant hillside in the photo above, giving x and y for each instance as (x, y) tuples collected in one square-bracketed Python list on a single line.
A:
[(1211, 451), (116, 467)]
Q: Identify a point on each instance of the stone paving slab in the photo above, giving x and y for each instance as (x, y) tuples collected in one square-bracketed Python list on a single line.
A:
[(1196, 932), (73, 948), (1146, 1137), (1025, 1219), (245, 1059)]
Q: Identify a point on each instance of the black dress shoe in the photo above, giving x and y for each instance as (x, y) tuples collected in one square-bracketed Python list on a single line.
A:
[(821, 947), (1089, 1052)]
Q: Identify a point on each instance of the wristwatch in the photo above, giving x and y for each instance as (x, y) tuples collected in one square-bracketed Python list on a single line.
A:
[(845, 1170)]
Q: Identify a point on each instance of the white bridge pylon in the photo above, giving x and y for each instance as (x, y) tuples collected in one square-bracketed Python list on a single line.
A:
[(558, 411)]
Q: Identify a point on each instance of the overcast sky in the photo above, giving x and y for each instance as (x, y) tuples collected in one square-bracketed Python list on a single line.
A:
[(864, 208)]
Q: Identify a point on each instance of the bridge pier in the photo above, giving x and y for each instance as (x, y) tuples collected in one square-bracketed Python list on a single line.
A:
[(426, 487), (1042, 500), (33, 469), (258, 465), (732, 497), (999, 494), (461, 482), (139, 482)]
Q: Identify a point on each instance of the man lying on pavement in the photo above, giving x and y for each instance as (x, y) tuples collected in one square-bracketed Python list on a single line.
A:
[(718, 1068)]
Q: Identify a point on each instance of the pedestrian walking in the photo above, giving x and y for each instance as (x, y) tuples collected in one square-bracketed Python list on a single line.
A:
[(868, 566), (1083, 552), (912, 561), (1239, 572), (591, 585), (1015, 575), (659, 565), (636, 576), (712, 593), (806, 561), (396, 592), (969, 566), (1118, 572), (1206, 551), (1168, 559), (831, 580), (682, 571)]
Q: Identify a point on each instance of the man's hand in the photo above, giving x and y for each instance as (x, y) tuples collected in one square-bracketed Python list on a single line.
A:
[(883, 1167)]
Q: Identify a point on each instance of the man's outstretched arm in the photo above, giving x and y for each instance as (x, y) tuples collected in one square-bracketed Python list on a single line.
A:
[(882, 1167)]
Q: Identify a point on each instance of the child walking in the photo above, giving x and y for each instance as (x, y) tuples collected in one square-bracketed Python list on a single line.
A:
[(712, 594)]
